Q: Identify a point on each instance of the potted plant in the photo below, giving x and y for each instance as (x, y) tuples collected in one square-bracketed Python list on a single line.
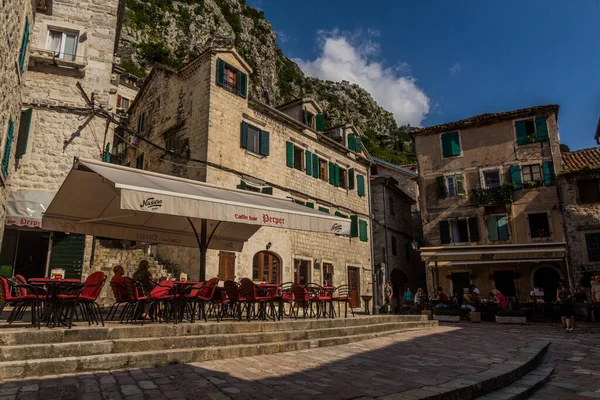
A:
[(446, 315), (511, 317)]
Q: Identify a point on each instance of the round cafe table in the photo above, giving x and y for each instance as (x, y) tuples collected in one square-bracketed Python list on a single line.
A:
[(54, 287), (181, 288)]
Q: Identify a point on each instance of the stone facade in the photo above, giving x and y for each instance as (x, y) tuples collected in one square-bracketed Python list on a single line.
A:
[(188, 112), (486, 144), (14, 16)]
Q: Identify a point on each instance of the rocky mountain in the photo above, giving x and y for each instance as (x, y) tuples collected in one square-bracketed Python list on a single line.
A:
[(173, 32)]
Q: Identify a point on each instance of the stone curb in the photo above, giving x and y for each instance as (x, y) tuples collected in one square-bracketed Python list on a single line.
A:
[(523, 388)]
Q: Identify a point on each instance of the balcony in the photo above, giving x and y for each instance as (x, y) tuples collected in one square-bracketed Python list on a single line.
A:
[(496, 195), (48, 57)]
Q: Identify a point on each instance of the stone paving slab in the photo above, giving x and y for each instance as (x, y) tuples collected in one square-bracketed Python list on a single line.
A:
[(402, 366)]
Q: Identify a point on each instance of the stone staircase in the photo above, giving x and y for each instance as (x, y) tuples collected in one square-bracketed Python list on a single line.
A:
[(30, 352)]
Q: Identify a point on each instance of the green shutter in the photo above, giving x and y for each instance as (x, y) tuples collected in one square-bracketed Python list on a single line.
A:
[(548, 169), (364, 235), (503, 233), (521, 132), (473, 230), (308, 163), (242, 186), (267, 190), (23, 50), (310, 205), (541, 129), (492, 223), (315, 162), (351, 179), (515, 176), (351, 141), (446, 145), (360, 183), (337, 175), (244, 135), (220, 72), (338, 214), (441, 187), (242, 84), (7, 146), (455, 143), (105, 156), (67, 253), (304, 116), (331, 173), (445, 232), (24, 128), (460, 184), (320, 122), (354, 226), (323, 209), (289, 154), (357, 145), (264, 143)]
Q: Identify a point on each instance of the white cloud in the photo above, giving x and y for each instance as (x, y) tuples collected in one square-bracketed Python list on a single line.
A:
[(282, 36), (354, 58), (455, 69)]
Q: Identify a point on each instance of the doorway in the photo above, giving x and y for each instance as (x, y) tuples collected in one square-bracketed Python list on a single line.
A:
[(505, 282), (547, 278), (226, 266), (32, 254), (354, 286), (460, 280), (301, 271)]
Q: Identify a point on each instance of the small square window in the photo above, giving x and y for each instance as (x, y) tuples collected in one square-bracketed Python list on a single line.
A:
[(62, 44), (298, 158), (253, 139), (322, 169), (532, 173), (538, 225), (491, 179), (230, 79)]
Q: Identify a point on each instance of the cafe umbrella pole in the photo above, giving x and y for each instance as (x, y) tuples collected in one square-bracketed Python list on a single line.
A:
[(203, 243)]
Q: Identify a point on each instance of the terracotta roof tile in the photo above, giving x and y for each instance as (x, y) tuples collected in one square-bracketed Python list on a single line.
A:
[(580, 159), (485, 119)]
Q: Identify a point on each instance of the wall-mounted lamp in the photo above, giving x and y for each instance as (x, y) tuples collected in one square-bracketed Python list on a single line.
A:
[(415, 245), (269, 246), (316, 264)]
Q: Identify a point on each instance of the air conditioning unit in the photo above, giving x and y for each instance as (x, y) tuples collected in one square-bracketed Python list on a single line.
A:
[(336, 133)]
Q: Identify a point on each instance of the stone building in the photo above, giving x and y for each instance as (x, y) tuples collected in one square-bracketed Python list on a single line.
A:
[(489, 202), (579, 183), (16, 21), (70, 43), (210, 131), (396, 225)]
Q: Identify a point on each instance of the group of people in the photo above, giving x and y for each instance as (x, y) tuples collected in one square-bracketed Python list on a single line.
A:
[(142, 276), (409, 298), (471, 300)]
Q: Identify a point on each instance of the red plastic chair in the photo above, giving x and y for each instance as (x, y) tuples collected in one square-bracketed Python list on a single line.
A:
[(121, 296), (85, 300), (22, 301), (137, 301), (341, 294), (302, 298), (205, 296), (252, 297), (235, 300), (162, 300)]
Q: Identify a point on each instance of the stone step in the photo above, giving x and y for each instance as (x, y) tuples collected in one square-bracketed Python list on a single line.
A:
[(86, 348), (112, 331), (524, 387), (144, 359)]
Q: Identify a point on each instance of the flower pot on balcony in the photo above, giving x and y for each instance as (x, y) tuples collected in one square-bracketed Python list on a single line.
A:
[(511, 320), (475, 316), (447, 318)]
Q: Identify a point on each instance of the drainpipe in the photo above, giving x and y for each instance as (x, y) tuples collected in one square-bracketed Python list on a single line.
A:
[(373, 271)]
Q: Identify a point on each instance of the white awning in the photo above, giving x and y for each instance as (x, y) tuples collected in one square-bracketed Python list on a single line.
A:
[(108, 200), (25, 208), (487, 253)]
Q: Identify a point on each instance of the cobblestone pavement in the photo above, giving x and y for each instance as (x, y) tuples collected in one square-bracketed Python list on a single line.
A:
[(367, 369)]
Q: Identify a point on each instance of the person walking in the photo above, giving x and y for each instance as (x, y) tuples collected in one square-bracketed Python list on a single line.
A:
[(564, 296), (388, 292)]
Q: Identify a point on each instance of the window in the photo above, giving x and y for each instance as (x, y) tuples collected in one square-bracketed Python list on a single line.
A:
[(451, 144), (491, 179), (24, 128), (140, 123), (363, 232), (301, 271), (343, 178), (498, 228), (44, 6), (231, 79), (63, 44), (298, 158), (170, 142), (266, 267), (531, 130), (255, 140), (538, 225), (322, 169), (139, 161), (354, 142), (327, 274), (592, 241), (391, 205), (589, 190), (450, 186), (394, 248), (123, 102), (459, 230), (532, 173)]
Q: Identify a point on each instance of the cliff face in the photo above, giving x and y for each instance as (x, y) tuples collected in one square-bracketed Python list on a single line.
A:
[(174, 32)]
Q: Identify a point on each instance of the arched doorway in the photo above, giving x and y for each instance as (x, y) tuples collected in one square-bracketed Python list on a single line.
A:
[(547, 278), (266, 266)]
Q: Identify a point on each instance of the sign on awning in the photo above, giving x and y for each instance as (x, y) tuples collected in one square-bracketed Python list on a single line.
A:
[(26, 207)]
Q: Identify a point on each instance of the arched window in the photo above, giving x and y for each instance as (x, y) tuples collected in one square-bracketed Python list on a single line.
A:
[(266, 266)]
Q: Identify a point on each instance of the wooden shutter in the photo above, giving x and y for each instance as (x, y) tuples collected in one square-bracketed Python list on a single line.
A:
[(364, 234), (67, 253), (445, 232), (220, 72), (119, 100), (460, 184), (331, 173), (351, 179), (304, 116), (357, 144), (337, 175), (473, 230), (503, 233), (289, 154), (244, 135), (264, 143), (360, 182), (310, 205), (541, 129), (23, 50), (24, 128), (320, 122), (267, 190), (315, 162), (354, 226), (515, 176), (492, 223), (226, 266), (308, 163), (548, 169), (521, 132), (242, 84), (351, 140), (441, 187), (446, 145)]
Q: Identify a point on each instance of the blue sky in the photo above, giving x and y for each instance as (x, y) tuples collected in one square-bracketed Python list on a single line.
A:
[(436, 61)]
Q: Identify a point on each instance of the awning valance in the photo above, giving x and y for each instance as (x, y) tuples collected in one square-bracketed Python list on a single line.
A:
[(107, 200), (483, 254), (25, 208)]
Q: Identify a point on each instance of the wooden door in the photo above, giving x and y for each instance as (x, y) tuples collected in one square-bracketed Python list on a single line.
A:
[(226, 266), (354, 286)]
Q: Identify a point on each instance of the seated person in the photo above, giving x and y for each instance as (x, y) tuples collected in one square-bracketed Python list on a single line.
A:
[(143, 276), (500, 299), (468, 300), (442, 298), (408, 295), (419, 296), (118, 278)]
